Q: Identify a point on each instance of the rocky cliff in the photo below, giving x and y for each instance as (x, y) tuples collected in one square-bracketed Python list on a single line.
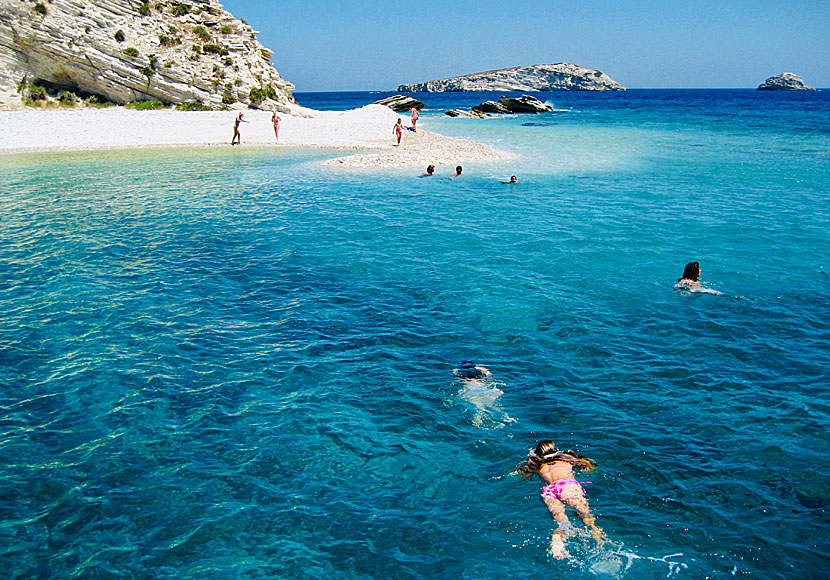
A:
[(541, 77), (784, 82), (133, 50)]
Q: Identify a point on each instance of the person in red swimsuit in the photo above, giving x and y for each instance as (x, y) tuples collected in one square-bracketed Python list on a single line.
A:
[(398, 129), (556, 470)]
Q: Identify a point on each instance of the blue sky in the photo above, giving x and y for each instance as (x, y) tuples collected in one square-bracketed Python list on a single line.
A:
[(377, 45)]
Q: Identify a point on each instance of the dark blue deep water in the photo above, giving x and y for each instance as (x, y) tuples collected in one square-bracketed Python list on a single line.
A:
[(222, 363)]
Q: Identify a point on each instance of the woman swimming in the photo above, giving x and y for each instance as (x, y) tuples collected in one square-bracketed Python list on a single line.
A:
[(691, 277), (556, 470)]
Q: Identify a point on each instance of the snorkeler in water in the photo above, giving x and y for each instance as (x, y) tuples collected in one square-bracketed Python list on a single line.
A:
[(467, 370), (556, 470)]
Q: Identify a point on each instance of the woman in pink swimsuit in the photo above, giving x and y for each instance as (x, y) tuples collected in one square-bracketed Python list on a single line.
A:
[(556, 470), (275, 119)]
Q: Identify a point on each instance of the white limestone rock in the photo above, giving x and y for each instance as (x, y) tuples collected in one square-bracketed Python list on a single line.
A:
[(75, 46), (785, 82), (541, 77)]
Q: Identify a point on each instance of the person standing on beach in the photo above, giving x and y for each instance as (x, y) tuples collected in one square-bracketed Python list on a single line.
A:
[(237, 138), (275, 119), (415, 116), (398, 129)]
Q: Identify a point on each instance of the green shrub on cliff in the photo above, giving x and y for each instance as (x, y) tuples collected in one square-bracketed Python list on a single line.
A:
[(119, 35), (144, 9), (215, 49), (67, 99), (258, 94), (145, 105), (193, 106), (201, 32), (130, 51), (36, 93), (40, 9), (181, 10)]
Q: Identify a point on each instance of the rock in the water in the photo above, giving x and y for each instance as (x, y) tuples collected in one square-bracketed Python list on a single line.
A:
[(524, 104), (785, 82), (130, 50), (492, 107), (465, 114), (400, 103), (510, 105), (541, 77)]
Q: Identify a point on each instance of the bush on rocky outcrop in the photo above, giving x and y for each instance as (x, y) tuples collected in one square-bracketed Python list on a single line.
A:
[(36, 93), (130, 51), (144, 9), (168, 41), (259, 94), (40, 9), (119, 35), (145, 105), (181, 10), (201, 32), (193, 106), (215, 49), (67, 99)]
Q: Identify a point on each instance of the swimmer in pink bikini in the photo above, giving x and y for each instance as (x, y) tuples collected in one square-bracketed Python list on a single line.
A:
[(556, 470)]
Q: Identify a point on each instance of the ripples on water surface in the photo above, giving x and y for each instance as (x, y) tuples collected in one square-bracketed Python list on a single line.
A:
[(238, 364)]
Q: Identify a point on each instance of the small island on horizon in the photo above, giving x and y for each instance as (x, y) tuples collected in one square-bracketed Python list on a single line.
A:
[(541, 77)]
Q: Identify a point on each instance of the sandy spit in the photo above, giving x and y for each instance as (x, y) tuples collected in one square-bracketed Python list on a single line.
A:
[(368, 129)]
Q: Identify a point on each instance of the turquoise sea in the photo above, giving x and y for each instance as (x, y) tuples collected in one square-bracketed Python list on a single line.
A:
[(237, 363)]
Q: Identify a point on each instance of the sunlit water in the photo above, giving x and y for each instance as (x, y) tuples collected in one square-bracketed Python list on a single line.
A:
[(222, 363)]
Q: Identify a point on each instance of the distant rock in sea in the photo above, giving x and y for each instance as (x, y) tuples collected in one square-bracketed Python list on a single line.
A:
[(400, 103), (134, 50), (541, 77), (504, 106), (785, 82)]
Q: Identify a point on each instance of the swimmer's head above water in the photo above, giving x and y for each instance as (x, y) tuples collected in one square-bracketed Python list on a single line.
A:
[(691, 271), (467, 370)]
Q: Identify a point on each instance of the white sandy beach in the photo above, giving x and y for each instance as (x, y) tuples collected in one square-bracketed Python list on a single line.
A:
[(368, 129)]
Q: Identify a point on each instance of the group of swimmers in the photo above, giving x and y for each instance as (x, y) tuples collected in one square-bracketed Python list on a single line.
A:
[(556, 468), (430, 171), (237, 138)]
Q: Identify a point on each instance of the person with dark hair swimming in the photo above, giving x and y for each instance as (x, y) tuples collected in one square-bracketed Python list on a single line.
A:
[(691, 277), (556, 470), (429, 172), (690, 282), (512, 180)]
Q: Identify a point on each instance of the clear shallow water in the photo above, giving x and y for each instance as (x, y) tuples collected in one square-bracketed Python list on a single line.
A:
[(238, 364)]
